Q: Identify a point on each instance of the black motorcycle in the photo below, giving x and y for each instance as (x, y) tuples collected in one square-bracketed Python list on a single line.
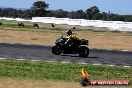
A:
[(75, 47)]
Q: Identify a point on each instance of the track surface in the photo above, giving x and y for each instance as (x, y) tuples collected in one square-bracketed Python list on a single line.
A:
[(35, 52)]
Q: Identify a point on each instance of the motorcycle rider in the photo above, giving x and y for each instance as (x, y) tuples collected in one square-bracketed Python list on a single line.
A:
[(71, 38)]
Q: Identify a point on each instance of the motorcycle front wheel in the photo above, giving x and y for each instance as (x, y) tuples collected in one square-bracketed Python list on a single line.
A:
[(85, 82), (56, 50)]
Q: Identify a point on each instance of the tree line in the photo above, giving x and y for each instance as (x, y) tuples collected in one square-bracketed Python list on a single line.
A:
[(39, 9)]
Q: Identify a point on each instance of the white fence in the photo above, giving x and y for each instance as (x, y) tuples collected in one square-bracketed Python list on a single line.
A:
[(113, 25), (16, 19)]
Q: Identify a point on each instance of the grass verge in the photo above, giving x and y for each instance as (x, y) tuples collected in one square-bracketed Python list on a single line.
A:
[(58, 71), (16, 83), (45, 26), (29, 27)]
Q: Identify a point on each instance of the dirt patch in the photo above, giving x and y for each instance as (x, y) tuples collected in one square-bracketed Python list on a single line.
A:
[(14, 83), (26, 37), (108, 40), (101, 40)]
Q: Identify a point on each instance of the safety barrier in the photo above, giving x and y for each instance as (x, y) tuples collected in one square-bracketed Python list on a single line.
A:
[(113, 25)]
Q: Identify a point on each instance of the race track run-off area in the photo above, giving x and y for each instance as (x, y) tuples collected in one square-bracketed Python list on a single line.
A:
[(36, 52)]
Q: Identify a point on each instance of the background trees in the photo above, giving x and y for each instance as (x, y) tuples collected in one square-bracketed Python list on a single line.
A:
[(39, 8), (91, 12)]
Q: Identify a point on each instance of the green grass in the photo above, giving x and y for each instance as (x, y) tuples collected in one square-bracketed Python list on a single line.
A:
[(14, 25), (47, 27), (57, 71), (28, 27)]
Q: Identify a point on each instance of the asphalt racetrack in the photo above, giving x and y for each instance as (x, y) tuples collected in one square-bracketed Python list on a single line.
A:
[(36, 52)]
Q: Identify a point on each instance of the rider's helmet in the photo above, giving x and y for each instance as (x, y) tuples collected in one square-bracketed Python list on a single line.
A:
[(69, 32)]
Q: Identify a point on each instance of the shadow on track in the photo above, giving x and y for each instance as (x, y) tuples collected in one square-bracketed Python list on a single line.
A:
[(79, 56)]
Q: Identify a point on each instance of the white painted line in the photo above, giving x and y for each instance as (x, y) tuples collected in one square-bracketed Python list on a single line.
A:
[(83, 63), (96, 64), (35, 60), (110, 65), (3, 58), (127, 66), (51, 61), (65, 62), (21, 59), (27, 44), (124, 50), (12, 43), (109, 49)]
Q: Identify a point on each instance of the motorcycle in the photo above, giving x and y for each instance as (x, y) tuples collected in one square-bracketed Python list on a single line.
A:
[(76, 47)]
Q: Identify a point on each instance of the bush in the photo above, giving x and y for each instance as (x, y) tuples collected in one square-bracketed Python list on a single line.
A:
[(74, 28), (0, 23), (35, 25), (21, 24), (52, 25)]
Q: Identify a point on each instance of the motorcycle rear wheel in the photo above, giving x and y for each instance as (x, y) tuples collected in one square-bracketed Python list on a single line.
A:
[(83, 51)]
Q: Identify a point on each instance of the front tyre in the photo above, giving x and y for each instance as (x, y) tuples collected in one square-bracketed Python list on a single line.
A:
[(56, 50), (85, 82), (83, 51)]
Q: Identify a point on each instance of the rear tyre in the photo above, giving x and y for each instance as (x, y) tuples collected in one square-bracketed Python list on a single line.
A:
[(56, 50), (83, 51)]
